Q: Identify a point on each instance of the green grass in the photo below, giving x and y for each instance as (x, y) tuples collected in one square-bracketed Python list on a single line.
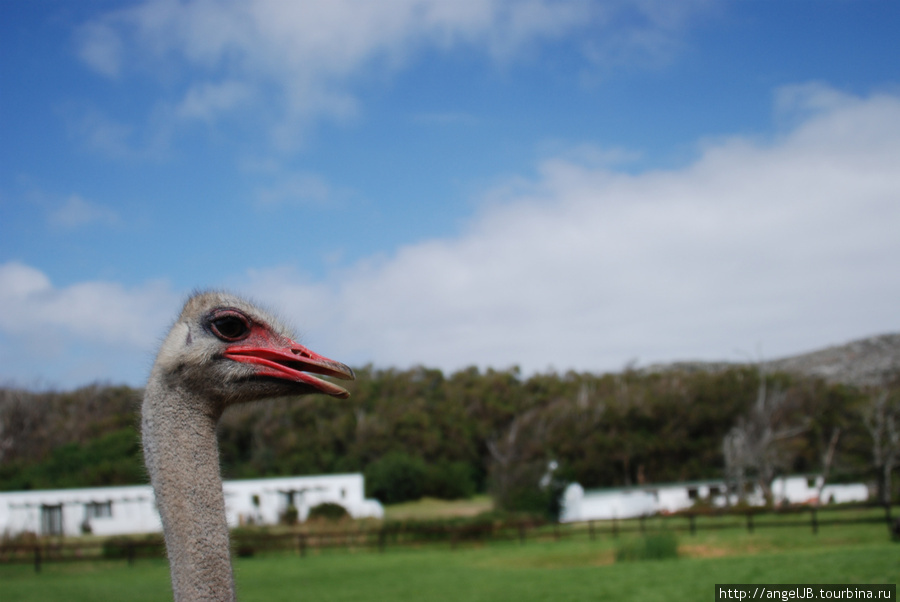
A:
[(572, 569), (655, 546), (430, 508)]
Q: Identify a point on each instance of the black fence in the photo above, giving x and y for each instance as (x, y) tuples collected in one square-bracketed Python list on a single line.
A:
[(305, 539)]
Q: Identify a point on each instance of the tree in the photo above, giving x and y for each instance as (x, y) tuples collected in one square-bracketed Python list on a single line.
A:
[(881, 417), (520, 466), (395, 478), (753, 444), (827, 459)]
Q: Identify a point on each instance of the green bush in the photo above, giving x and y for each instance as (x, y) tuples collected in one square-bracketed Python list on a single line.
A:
[(245, 550), (399, 477), (125, 546), (449, 481), (117, 547), (532, 499), (396, 477), (289, 516), (245, 540), (657, 546), (328, 511)]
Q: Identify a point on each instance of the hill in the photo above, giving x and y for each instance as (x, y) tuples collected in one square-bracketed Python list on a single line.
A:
[(869, 362), (872, 361)]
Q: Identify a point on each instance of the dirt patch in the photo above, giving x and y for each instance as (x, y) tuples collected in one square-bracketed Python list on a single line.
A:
[(605, 559), (708, 551)]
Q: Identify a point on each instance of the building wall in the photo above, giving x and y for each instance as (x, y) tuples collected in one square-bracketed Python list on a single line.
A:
[(605, 504), (275, 495), (802, 490), (132, 509)]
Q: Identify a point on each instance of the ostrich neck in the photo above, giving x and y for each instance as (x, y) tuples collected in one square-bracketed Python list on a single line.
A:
[(182, 457)]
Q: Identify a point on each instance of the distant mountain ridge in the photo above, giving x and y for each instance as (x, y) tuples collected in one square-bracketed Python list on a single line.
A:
[(865, 362), (868, 362)]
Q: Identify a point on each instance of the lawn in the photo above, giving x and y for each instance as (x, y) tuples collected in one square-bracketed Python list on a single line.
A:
[(572, 569), (430, 508)]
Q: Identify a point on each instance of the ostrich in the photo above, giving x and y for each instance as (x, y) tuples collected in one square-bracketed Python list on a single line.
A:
[(221, 351)]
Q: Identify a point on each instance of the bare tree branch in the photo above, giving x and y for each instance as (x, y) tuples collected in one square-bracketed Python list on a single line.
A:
[(752, 444), (881, 417)]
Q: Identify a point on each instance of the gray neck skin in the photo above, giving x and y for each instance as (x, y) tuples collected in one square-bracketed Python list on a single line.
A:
[(182, 457)]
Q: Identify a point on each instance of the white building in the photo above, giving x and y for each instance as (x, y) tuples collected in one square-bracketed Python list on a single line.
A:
[(263, 501), (107, 510), (645, 500), (631, 502), (605, 504), (132, 509), (805, 490)]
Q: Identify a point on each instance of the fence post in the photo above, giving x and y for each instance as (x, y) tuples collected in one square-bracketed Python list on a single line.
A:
[(37, 558), (301, 544)]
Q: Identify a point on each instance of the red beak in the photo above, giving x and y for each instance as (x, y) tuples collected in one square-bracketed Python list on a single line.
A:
[(293, 362)]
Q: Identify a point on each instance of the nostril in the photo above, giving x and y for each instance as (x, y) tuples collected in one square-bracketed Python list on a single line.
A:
[(301, 352)]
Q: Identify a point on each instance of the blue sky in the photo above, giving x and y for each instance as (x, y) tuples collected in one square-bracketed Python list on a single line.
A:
[(553, 184)]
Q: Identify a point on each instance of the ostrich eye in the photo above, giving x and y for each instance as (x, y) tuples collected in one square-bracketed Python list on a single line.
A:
[(230, 327)]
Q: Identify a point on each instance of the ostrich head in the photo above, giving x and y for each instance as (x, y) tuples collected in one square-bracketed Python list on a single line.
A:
[(224, 351), (221, 350)]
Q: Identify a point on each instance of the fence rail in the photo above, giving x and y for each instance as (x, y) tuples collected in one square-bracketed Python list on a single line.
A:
[(421, 533)]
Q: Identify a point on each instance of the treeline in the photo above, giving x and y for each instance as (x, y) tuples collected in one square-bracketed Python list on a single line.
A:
[(420, 432), (82, 438)]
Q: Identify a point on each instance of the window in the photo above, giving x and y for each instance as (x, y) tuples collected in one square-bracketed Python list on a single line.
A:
[(97, 510), (51, 520)]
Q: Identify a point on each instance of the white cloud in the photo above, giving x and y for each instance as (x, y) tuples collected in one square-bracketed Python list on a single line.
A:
[(303, 188), (809, 98), (100, 133), (790, 245), (446, 118), (76, 212), (302, 60), (115, 138), (46, 318), (206, 101), (642, 33), (100, 46)]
